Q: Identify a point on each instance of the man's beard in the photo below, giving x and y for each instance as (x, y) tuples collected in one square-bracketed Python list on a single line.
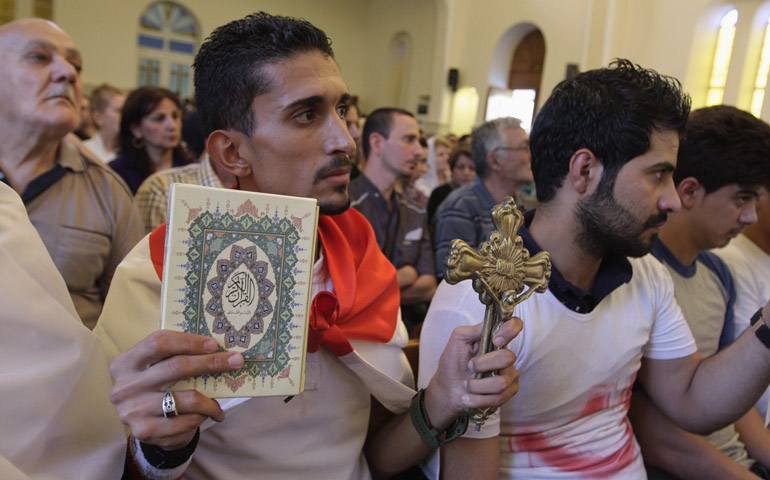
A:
[(608, 228), (331, 208), (334, 208)]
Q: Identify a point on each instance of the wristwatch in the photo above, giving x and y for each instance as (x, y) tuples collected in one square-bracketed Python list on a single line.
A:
[(763, 332)]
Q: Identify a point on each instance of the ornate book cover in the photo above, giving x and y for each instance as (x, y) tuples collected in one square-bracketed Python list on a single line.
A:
[(238, 268)]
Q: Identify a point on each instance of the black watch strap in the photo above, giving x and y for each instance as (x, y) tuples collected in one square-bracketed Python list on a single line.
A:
[(167, 459), (763, 332)]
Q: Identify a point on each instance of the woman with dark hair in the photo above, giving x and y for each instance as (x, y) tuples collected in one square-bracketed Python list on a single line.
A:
[(150, 135), (463, 172)]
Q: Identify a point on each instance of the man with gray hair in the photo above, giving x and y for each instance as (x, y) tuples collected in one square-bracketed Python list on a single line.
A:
[(81, 209), (500, 151)]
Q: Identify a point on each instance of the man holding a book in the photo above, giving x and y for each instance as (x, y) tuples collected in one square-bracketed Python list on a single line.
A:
[(272, 101)]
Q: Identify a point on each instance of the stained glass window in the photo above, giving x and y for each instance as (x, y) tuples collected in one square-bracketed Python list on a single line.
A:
[(758, 98), (167, 40), (722, 53)]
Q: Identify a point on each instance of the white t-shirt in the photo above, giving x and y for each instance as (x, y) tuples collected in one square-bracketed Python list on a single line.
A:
[(750, 267), (576, 371)]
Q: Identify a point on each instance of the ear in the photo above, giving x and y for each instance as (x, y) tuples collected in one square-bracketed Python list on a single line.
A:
[(585, 171), (493, 162), (224, 148), (135, 131), (376, 143), (689, 190)]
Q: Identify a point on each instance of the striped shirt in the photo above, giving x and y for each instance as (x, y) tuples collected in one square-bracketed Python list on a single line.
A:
[(465, 214)]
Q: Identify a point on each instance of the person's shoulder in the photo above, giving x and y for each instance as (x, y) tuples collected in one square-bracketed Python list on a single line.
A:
[(440, 192), (717, 265), (412, 206), (460, 198), (120, 161), (647, 268), (105, 176), (89, 173), (364, 196), (357, 186), (163, 179), (743, 253)]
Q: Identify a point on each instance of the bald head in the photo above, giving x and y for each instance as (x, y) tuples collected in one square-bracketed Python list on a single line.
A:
[(27, 23), (40, 77)]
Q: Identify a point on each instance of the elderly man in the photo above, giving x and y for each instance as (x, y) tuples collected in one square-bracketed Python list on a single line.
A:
[(81, 209), (56, 418), (500, 151), (604, 148), (272, 102)]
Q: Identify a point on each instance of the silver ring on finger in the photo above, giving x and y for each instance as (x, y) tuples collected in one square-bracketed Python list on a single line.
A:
[(169, 405)]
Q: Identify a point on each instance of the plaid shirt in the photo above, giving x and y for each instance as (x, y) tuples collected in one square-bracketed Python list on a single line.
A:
[(152, 197)]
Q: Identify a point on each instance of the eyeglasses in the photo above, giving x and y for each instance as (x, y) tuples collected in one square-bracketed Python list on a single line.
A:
[(523, 148)]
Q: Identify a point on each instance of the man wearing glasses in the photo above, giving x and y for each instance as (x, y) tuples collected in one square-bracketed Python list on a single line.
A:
[(500, 151)]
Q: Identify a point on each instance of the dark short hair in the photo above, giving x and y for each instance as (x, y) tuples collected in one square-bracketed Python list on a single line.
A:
[(487, 137), (724, 146), (456, 153), (380, 121), (609, 111), (228, 67), (140, 103)]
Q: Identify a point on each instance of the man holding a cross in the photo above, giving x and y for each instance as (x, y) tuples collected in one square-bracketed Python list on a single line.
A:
[(604, 147)]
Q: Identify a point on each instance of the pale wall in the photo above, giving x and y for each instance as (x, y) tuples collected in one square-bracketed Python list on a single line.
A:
[(479, 25), (386, 19)]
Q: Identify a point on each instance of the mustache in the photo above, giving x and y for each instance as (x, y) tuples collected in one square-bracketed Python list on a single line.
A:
[(656, 220), (62, 90), (339, 161)]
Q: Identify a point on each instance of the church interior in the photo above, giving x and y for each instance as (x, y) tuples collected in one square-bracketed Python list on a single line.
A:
[(451, 62)]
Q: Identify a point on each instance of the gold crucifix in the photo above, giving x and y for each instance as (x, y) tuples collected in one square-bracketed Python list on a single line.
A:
[(500, 269)]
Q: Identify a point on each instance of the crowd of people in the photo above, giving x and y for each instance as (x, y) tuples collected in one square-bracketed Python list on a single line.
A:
[(648, 355)]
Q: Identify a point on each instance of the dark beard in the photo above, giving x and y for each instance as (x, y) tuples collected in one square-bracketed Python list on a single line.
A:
[(336, 208), (608, 228)]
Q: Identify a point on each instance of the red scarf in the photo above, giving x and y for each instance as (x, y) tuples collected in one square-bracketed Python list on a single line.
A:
[(366, 299)]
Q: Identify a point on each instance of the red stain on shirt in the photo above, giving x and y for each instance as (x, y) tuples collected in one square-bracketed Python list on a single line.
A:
[(555, 453)]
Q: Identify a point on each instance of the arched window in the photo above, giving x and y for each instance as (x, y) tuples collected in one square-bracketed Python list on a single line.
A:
[(168, 39), (525, 59), (722, 52), (758, 97)]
